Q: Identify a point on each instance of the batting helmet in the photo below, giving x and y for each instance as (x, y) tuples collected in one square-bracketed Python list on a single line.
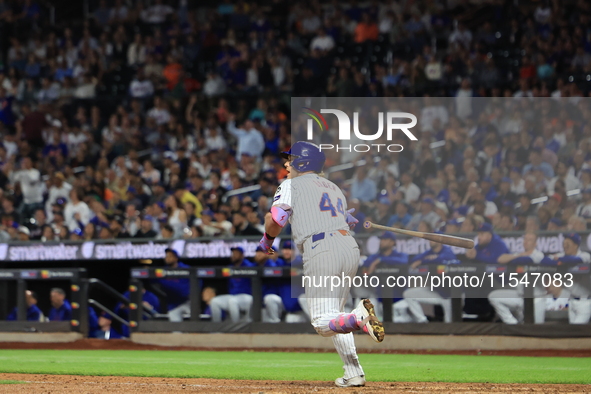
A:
[(306, 156)]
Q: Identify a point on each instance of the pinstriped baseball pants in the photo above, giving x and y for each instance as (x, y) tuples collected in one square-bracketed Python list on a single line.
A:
[(337, 256)]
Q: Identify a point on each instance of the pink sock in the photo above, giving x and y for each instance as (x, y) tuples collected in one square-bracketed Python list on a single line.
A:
[(345, 323)]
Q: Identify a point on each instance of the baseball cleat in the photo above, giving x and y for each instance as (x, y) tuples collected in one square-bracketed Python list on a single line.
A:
[(368, 319), (357, 381)]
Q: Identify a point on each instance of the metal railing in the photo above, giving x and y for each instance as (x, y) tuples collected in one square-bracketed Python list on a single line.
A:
[(108, 311)]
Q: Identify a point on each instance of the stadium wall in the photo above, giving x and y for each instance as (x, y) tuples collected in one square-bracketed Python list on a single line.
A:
[(363, 342)]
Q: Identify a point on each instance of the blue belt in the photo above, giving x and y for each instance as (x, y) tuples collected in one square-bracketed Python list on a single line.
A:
[(321, 236), (317, 237)]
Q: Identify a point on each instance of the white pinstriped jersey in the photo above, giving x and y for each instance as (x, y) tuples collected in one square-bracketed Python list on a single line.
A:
[(317, 205)]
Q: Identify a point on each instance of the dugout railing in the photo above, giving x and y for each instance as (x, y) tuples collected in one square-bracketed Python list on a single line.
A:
[(258, 275)]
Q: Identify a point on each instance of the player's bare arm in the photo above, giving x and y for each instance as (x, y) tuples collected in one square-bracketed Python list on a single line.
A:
[(272, 228), (508, 257)]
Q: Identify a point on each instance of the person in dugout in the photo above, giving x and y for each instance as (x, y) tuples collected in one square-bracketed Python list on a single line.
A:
[(272, 303), (508, 302), (176, 289), (61, 310), (33, 311), (150, 301), (387, 255), (105, 329), (579, 305), (489, 247), (441, 255), (238, 301), (288, 293)]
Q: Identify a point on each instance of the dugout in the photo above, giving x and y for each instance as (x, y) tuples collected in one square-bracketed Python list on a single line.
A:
[(114, 261)]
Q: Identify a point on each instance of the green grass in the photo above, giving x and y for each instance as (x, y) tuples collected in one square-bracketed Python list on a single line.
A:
[(10, 382), (297, 366)]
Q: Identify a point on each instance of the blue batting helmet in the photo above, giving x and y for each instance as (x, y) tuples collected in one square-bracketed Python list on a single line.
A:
[(306, 156)]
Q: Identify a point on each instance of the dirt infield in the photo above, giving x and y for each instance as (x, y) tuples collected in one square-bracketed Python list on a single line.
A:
[(123, 344), (58, 384)]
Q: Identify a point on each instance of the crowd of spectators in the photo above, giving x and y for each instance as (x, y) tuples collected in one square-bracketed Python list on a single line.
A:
[(138, 119)]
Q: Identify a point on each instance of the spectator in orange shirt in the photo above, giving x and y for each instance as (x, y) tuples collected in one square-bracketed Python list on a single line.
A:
[(366, 30), (172, 72)]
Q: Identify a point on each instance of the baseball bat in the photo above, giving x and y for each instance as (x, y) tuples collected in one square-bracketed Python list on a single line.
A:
[(441, 238)]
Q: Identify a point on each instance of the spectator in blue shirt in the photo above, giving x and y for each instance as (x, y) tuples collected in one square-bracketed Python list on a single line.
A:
[(488, 189), (62, 72), (401, 216), (363, 188), (56, 147), (33, 67), (61, 310), (30, 11), (239, 297), (6, 114), (176, 289), (536, 163), (33, 311), (489, 247)]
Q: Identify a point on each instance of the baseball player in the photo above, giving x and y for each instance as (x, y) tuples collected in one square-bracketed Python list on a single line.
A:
[(61, 310), (489, 247), (438, 254), (33, 311), (104, 328), (387, 255), (272, 303), (290, 304), (150, 301), (579, 306), (508, 303), (239, 299), (176, 289), (320, 223)]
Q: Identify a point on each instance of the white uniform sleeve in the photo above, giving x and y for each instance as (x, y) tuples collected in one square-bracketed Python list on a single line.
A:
[(536, 256), (585, 256), (85, 214), (282, 196), (232, 129)]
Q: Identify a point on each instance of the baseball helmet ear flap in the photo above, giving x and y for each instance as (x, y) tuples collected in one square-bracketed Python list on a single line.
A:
[(305, 156)]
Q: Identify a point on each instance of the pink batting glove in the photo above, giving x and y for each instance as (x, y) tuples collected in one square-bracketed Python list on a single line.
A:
[(351, 221), (267, 243)]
